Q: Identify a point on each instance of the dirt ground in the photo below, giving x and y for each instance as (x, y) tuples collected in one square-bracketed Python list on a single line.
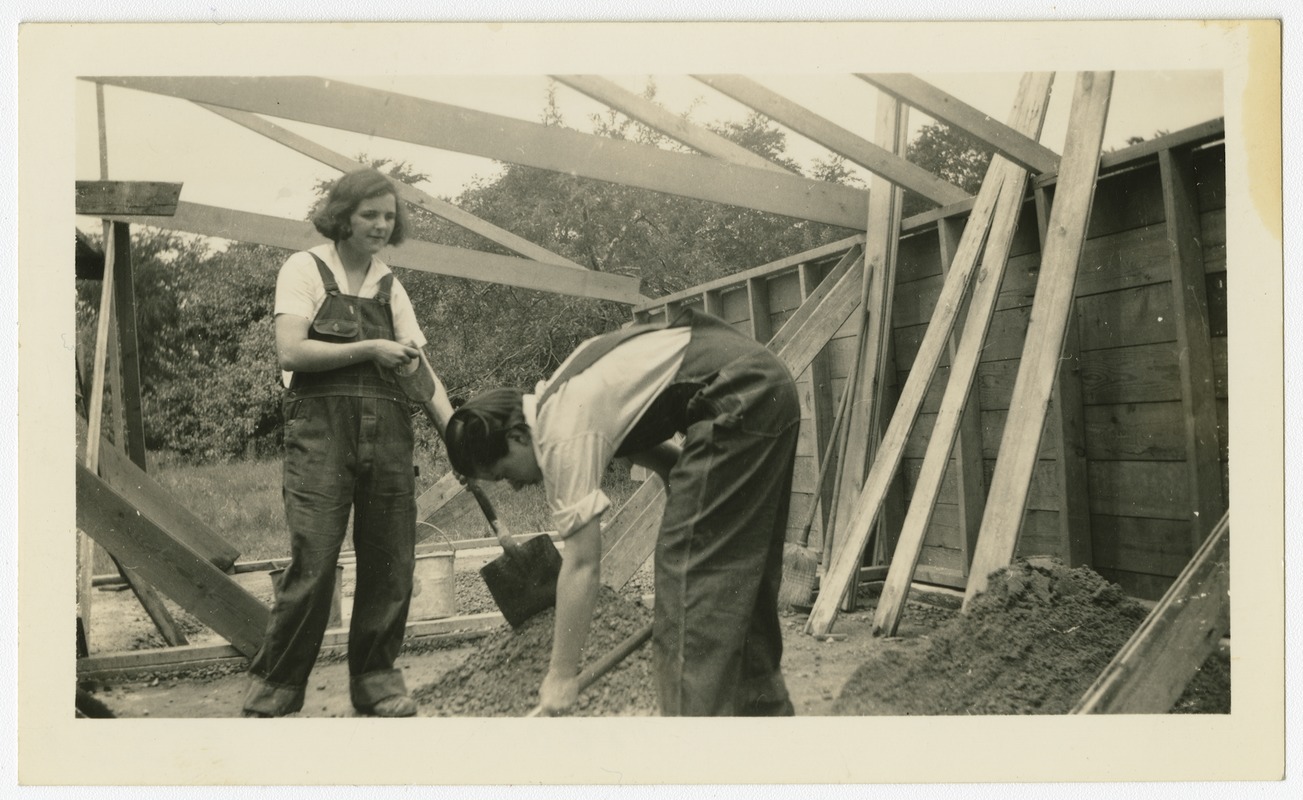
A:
[(1032, 646)]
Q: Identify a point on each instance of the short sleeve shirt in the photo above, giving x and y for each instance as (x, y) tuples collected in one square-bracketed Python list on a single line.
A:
[(300, 292), (584, 421)]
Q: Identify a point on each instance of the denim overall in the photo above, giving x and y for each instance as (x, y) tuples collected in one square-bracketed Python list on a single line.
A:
[(717, 643), (348, 447)]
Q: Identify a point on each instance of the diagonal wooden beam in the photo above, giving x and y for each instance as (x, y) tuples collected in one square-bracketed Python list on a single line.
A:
[(1152, 669), (1029, 108), (1007, 499), (1014, 145), (440, 259), (875, 158), (945, 431), (374, 112), (672, 125), (410, 194), (140, 544)]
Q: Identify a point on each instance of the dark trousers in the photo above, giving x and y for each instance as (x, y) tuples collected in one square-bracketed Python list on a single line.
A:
[(717, 643), (342, 454)]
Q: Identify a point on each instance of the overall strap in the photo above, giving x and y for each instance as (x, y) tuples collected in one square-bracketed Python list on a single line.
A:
[(604, 344), (385, 289), (327, 278)]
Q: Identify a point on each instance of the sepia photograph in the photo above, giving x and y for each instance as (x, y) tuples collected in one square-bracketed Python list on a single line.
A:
[(543, 394)]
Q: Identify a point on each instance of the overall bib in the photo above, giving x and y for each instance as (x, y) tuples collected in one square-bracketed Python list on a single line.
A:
[(717, 643), (348, 448)]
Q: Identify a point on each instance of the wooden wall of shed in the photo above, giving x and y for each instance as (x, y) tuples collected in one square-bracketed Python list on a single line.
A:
[(1140, 528)]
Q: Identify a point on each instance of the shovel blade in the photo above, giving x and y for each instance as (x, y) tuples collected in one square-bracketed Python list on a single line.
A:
[(524, 583)]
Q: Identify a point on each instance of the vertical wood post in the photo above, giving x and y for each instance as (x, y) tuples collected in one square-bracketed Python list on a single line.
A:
[(1067, 417), (820, 377), (1194, 345), (967, 454), (758, 300)]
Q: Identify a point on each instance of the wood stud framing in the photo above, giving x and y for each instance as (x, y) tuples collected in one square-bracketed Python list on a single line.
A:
[(124, 512), (844, 566)]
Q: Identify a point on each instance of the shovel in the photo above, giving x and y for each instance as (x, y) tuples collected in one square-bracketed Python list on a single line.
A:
[(523, 579), (606, 663)]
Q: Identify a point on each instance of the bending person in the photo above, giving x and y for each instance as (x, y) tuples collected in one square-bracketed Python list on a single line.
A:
[(344, 328), (717, 643)]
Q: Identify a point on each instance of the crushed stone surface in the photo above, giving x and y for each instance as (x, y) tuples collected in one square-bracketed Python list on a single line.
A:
[(500, 678)]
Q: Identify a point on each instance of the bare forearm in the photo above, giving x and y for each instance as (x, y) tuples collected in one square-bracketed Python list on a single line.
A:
[(311, 355), (659, 459), (576, 598)]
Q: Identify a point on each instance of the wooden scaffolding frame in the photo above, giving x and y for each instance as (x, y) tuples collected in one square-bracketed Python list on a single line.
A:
[(848, 283)]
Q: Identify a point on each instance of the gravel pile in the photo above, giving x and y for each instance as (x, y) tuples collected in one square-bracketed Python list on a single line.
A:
[(1032, 643), (501, 677)]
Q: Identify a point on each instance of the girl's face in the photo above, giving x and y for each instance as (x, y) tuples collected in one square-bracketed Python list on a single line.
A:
[(372, 223), (518, 467)]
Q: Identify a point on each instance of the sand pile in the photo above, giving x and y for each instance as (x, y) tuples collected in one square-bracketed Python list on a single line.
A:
[(501, 677), (1031, 644)]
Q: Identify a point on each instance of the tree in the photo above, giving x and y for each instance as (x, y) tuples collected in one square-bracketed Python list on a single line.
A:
[(949, 153)]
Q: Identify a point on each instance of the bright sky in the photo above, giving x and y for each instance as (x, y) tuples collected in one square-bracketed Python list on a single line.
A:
[(151, 137)]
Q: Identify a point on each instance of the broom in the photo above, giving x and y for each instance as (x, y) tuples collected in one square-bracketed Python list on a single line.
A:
[(800, 561)]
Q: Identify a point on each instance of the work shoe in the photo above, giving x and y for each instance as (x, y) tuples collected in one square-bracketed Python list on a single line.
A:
[(256, 714), (398, 705)]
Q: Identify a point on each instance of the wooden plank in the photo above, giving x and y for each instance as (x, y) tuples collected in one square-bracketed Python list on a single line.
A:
[(945, 430), (143, 198), (1028, 109), (437, 497), (1045, 336), (659, 118), (149, 497), (374, 112), (408, 193), (808, 330), (632, 536), (877, 159), (1136, 544), (1141, 374), (470, 625), (822, 418), (1194, 347), (440, 259), (727, 284), (758, 302), (1128, 317), (967, 453), (1023, 150), (1156, 489), (1065, 419), (866, 389), (179, 572), (1135, 432), (1153, 668), (127, 391)]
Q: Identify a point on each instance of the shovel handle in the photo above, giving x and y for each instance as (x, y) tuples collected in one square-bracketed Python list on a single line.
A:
[(606, 663), (438, 410)]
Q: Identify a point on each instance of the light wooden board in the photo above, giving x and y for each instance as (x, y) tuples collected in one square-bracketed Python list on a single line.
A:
[(186, 577), (152, 198), (945, 431), (408, 193), (1016, 146), (874, 157), (1045, 336), (374, 112), (1156, 664), (440, 259)]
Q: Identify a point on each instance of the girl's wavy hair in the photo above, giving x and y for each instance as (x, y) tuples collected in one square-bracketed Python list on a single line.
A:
[(346, 194), (476, 436)]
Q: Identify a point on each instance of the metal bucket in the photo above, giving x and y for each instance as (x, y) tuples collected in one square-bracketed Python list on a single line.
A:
[(336, 607), (434, 591)]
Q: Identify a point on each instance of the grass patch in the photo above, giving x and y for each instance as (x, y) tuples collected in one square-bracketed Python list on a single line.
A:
[(241, 501)]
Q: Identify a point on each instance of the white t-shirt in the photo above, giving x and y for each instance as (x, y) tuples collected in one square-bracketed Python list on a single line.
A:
[(299, 291), (585, 420)]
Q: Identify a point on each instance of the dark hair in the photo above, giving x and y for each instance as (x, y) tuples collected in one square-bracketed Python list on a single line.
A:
[(346, 194), (476, 436)]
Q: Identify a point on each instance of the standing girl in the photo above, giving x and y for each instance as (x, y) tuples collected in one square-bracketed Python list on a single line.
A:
[(344, 327)]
